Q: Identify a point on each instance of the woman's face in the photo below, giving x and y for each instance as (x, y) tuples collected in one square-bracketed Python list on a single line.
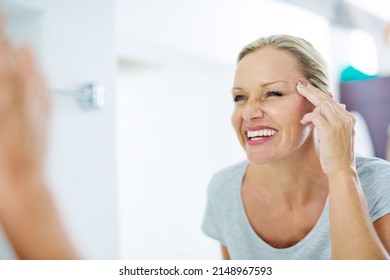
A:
[(268, 108)]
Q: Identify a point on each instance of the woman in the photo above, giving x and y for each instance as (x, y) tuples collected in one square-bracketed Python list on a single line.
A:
[(302, 193)]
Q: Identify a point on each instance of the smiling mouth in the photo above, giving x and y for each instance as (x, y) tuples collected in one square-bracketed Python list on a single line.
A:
[(260, 134)]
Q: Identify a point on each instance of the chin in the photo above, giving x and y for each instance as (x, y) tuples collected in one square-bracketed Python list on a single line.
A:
[(258, 159)]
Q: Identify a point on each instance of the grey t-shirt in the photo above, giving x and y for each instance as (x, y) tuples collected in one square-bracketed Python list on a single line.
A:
[(225, 219)]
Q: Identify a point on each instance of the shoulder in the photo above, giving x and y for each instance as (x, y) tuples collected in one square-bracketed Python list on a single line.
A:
[(227, 177), (372, 168), (374, 176)]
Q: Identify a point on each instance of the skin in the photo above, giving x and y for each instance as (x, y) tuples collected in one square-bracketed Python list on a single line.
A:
[(312, 128), (27, 211)]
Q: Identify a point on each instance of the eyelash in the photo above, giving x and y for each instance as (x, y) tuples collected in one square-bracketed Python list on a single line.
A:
[(273, 93), (238, 98), (270, 93)]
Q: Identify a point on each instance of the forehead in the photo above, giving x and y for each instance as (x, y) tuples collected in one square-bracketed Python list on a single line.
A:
[(267, 64)]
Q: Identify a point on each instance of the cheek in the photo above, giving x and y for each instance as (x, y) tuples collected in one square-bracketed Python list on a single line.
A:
[(306, 106), (236, 120), (289, 113), (298, 107)]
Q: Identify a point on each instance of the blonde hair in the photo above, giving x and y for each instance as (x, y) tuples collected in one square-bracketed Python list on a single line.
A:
[(312, 64)]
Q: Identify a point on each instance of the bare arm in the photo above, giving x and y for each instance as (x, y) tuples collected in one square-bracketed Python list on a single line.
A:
[(353, 234), (382, 227), (27, 211), (33, 226), (225, 253)]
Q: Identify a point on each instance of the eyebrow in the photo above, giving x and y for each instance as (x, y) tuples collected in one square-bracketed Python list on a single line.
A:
[(267, 84)]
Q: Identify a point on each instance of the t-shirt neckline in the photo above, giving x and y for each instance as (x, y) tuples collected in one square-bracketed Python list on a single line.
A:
[(253, 233)]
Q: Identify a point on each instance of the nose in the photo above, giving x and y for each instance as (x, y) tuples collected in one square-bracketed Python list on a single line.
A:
[(252, 110)]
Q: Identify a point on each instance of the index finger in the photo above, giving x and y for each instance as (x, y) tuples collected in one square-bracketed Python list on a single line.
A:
[(314, 95), (2, 25)]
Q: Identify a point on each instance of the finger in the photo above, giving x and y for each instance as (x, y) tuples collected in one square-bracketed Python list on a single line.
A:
[(317, 120), (8, 81), (328, 111), (333, 116), (342, 112), (31, 80), (36, 98), (307, 118), (314, 95)]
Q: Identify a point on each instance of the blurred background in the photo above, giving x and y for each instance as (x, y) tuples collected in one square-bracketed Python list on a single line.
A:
[(130, 176)]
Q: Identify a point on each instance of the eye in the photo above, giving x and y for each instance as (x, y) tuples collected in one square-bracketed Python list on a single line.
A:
[(273, 93), (238, 98)]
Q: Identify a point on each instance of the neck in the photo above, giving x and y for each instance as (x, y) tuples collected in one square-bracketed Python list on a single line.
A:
[(298, 176)]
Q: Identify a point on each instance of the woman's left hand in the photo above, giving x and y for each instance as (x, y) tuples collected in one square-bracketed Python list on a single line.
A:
[(24, 117), (335, 127)]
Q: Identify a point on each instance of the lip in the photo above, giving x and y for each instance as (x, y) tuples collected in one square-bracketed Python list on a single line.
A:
[(263, 139)]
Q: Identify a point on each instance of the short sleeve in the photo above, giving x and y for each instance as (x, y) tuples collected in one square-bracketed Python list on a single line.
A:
[(375, 181), (223, 204), (210, 225)]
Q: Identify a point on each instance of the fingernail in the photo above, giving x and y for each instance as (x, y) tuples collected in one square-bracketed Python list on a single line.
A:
[(310, 85), (300, 85)]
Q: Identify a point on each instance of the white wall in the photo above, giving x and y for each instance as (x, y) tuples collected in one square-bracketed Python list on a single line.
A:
[(76, 46), (216, 29), (167, 123)]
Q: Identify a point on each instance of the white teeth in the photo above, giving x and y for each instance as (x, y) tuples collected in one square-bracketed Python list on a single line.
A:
[(261, 132)]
